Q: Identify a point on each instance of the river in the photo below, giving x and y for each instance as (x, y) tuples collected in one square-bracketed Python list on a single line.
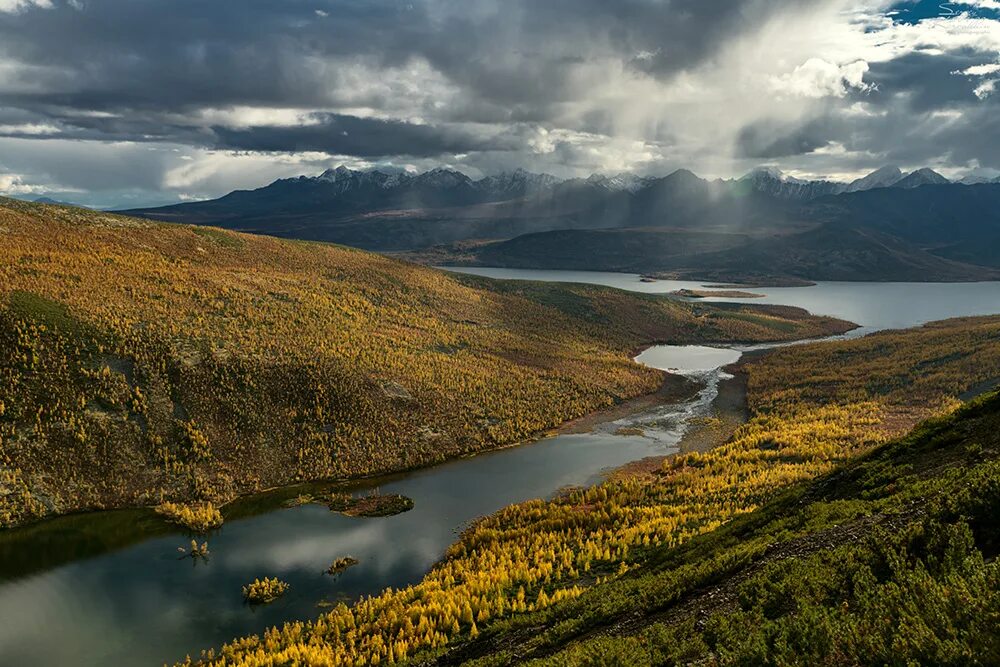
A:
[(110, 588)]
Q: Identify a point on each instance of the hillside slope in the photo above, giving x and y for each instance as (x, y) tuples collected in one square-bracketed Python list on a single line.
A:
[(141, 361), (887, 560), (634, 570)]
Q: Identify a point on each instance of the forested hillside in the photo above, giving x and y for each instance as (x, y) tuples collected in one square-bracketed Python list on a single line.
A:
[(735, 555), (142, 362)]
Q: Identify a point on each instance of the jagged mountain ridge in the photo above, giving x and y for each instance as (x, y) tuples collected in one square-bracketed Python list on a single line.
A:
[(342, 190), (889, 226), (418, 210)]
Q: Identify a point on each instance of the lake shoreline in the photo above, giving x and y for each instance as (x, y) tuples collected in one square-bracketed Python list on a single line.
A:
[(675, 388)]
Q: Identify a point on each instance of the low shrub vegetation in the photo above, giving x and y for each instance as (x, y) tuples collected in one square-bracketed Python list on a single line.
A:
[(819, 476), (264, 591)]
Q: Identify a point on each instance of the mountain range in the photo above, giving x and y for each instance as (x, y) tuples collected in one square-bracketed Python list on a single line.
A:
[(888, 225)]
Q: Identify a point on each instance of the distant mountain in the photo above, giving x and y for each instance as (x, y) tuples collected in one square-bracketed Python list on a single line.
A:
[(623, 182), (771, 181), (944, 233), (48, 200), (882, 226), (824, 252), (880, 178), (921, 177), (370, 209), (515, 184), (978, 179)]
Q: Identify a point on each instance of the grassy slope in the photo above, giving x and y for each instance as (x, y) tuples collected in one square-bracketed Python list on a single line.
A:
[(576, 578), (887, 560), (884, 560), (143, 360)]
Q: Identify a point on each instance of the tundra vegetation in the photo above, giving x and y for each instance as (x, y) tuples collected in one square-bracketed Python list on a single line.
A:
[(264, 591), (374, 504), (820, 529), (196, 517), (145, 363), (341, 564), (195, 551)]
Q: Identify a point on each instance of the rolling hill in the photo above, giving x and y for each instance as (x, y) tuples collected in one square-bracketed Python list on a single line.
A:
[(144, 361)]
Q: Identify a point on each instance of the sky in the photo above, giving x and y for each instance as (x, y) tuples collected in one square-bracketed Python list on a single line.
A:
[(118, 103)]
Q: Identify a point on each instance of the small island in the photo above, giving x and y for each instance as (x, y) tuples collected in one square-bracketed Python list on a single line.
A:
[(341, 564), (723, 294), (264, 591), (374, 505)]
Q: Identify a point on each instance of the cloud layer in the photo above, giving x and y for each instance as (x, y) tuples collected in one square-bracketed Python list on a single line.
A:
[(126, 102)]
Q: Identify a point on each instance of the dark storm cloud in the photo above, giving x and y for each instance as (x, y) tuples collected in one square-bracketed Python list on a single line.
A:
[(927, 80), (768, 140), (363, 137), (509, 61), (922, 111), (925, 110), (209, 96)]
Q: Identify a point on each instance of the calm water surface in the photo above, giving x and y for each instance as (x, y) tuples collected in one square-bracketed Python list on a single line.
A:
[(688, 359), (872, 305), (110, 589), (138, 603)]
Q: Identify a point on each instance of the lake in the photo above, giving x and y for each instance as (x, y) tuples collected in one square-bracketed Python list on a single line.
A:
[(126, 597), (110, 588), (872, 305)]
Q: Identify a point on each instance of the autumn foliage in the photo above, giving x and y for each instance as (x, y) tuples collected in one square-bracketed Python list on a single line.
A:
[(144, 362), (814, 407)]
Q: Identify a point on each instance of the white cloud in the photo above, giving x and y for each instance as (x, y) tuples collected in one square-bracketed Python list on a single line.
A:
[(985, 89), (14, 184), (979, 4), (979, 70), (209, 171), (34, 129), (12, 6), (242, 117), (816, 78)]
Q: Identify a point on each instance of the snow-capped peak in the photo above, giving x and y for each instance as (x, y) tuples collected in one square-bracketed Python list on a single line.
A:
[(621, 182), (758, 174), (882, 177), (338, 174)]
